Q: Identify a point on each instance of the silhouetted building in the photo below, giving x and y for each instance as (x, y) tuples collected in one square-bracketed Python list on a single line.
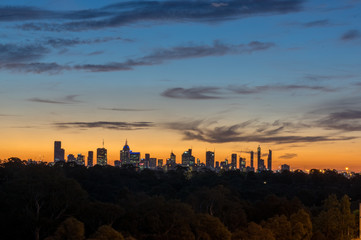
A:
[(90, 159), (234, 161), (102, 156), (80, 160), (134, 158), (172, 159), (242, 164), (58, 152), (259, 165), (210, 159), (269, 160), (152, 163), (160, 163), (285, 167), (125, 154), (146, 160), (187, 158), (71, 158), (117, 163), (252, 158)]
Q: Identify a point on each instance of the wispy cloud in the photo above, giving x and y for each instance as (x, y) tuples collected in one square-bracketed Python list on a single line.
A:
[(346, 121), (65, 42), (162, 55), (317, 23), (70, 99), (12, 53), (126, 109), (315, 77), (264, 88), (125, 13), (203, 93), (203, 131), (288, 156), (193, 93), (105, 125), (351, 35), (19, 59)]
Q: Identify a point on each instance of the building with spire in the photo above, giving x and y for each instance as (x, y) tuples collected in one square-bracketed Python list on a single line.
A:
[(269, 160), (102, 156), (129, 157)]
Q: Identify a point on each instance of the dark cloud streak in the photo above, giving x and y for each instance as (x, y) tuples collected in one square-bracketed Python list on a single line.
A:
[(105, 125), (125, 13)]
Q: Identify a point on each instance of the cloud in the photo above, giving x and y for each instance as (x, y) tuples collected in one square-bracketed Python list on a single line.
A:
[(125, 13), (62, 42), (347, 121), (315, 77), (105, 125), (260, 89), (127, 109), (19, 58), (11, 53), (36, 67), (317, 23), (192, 93), (351, 35), (162, 55), (70, 99), (219, 93), (288, 156), (206, 132)]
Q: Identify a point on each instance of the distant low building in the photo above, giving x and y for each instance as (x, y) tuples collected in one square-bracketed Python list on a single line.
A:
[(285, 167)]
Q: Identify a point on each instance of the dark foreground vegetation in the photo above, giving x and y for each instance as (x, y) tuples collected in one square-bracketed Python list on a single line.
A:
[(73, 202)]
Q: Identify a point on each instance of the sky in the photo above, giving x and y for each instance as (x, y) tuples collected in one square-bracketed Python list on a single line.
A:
[(225, 76)]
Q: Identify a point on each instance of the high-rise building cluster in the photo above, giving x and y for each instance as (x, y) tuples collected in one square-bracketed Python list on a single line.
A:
[(131, 158)]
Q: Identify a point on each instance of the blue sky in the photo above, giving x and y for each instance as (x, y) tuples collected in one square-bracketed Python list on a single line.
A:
[(173, 74)]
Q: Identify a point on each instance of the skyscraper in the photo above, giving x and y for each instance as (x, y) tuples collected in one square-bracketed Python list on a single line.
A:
[(269, 160), (252, 157), (234, 161), (187, 158), (259, 165), (80, 159), (90, 159), (58, 152), (125, 154), (210, 159), (102, 156)]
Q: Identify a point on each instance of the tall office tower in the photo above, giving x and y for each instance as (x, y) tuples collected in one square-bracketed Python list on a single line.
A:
[(90, 159), (234, 161), (252, 154), (152, 163), (160, 163), (187, 158), (146, 160), (58, 152), (80, 159), (242, 164), (259, 157), (261, 166), (125, 154), (269, 160), (134, 158), (172, 159), (210, 159), (102, 156)]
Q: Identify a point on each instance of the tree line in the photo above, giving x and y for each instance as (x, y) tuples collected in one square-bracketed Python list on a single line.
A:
[(38, 201)]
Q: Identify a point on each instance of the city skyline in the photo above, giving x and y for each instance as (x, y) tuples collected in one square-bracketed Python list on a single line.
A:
[(176, 75)]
